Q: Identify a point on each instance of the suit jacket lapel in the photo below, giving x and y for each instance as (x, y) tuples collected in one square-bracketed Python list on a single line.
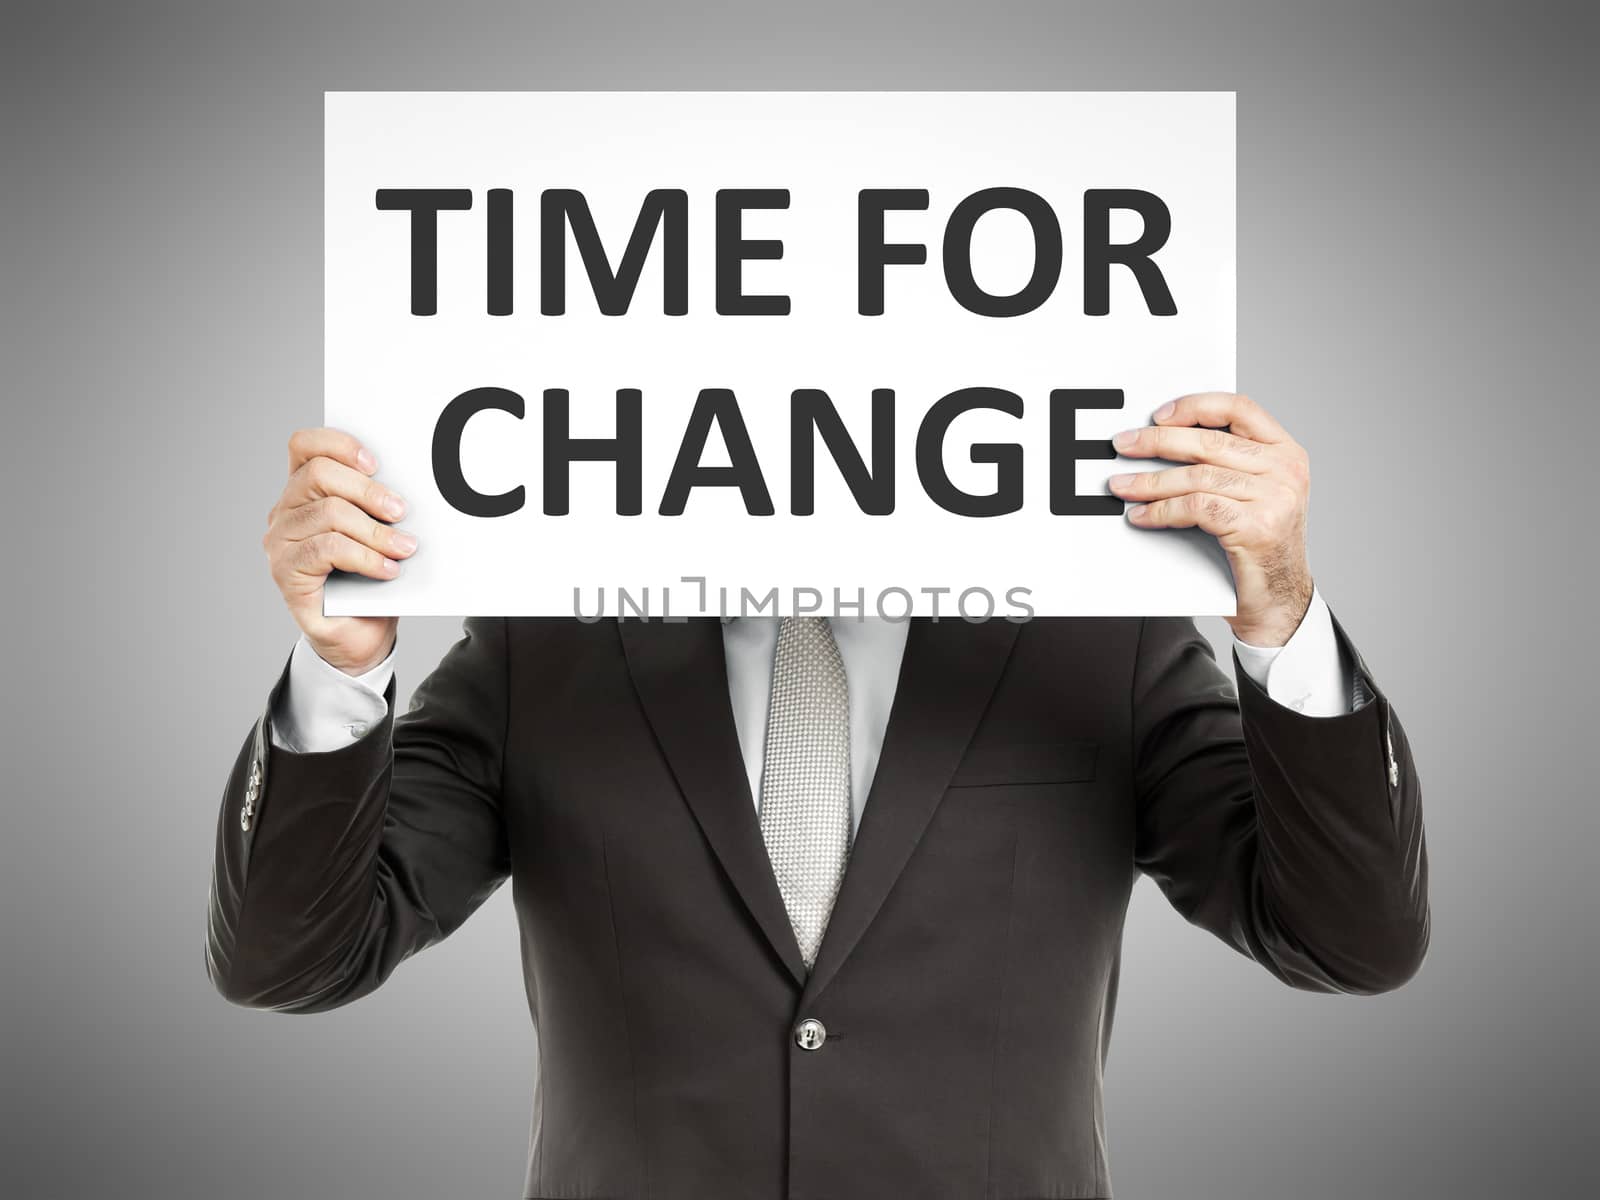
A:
[(682, 680), (948, 673)]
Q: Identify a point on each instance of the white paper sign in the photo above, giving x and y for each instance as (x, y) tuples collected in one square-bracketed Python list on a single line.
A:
[(987, 263)]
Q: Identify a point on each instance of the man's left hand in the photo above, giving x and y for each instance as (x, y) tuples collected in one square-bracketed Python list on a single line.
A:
[(1247, 485)]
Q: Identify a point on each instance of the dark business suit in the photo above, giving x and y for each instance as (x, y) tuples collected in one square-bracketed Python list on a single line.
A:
[(968, 976)]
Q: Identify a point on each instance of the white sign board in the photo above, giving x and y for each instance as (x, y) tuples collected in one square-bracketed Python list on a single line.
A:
[(793, 352)]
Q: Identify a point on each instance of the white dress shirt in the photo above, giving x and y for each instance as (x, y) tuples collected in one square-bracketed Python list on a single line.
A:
[(871, 649), (324, 709)]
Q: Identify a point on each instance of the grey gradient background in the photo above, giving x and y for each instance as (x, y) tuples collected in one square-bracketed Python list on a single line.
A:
[(1416, 289)]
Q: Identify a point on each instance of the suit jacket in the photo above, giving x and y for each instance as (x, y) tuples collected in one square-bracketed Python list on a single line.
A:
[(968, 977)]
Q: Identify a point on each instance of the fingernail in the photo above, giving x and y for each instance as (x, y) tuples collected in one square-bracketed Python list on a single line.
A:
[(365, 461), (1138, 510), (390, 567), (1166, 410), (405, 542), (1120, 481), (394, 506), (1126, 439)]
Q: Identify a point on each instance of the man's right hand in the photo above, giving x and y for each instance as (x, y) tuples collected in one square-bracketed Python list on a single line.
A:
[(332, 516)]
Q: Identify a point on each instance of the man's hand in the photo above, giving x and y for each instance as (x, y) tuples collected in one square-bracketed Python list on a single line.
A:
[(1247, 485), (331, 517)]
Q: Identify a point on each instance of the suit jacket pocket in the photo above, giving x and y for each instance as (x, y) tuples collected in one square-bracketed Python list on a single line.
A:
[(1007, 764)]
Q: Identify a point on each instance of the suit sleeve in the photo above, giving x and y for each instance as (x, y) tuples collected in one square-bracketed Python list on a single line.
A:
[(1298, 840), (332, 868)]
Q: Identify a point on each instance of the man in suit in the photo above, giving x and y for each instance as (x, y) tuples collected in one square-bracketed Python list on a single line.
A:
[(819, 908)]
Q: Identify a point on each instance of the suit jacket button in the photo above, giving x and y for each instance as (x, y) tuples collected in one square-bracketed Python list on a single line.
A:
[(810, 1034)]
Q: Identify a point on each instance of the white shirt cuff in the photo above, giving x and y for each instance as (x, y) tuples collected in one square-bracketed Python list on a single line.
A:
[(324, 709), (1308, 673)]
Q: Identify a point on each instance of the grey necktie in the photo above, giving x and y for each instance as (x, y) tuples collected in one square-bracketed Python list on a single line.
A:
[(805, 776)]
